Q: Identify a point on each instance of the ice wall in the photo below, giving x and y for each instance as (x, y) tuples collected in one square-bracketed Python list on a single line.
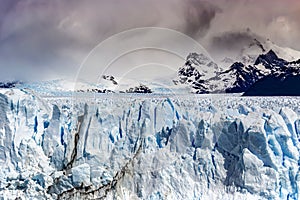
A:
[(148, 147)]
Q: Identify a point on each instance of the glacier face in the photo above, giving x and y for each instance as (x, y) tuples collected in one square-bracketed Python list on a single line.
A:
[(148, 147)]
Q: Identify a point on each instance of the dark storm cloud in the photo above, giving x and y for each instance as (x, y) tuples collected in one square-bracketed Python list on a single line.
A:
[(6, 7), (199, 16), (234, 40), (43, 37)]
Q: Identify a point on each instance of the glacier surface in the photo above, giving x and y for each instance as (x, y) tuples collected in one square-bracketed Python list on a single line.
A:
[(148, 147)]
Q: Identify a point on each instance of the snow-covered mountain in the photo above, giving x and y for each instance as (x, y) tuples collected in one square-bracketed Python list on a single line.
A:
[(250, 52), (255, 62), (195, 71), (105, 84), (199, 74), (148, 147), (236, 79)]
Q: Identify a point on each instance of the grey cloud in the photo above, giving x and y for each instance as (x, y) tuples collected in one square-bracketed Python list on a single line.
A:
[(5, 8), (42, 36), (199, 16), (263, 18), (233, 41)]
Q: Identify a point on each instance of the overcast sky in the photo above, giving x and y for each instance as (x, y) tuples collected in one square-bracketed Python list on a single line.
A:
[(50, 38)]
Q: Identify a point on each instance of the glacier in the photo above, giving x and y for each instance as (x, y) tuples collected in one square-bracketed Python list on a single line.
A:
[(121, 146)]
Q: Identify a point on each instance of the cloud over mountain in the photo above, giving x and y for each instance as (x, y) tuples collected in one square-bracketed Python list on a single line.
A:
[(50, 38)]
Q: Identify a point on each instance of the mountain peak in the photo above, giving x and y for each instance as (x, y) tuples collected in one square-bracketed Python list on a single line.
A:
[(198, 59), (237, 66), (270, 60), (271, 54), (269, 57)]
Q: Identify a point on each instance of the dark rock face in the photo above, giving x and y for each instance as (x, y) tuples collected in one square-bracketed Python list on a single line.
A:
[(245, 77), (139, 89), (110, 78), (275, 86), (270, 60), (11, 84), (96, 90), (283, 79)]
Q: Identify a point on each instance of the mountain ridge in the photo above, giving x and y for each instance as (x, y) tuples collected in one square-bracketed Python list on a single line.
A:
[(241, 75), (199, 75)]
